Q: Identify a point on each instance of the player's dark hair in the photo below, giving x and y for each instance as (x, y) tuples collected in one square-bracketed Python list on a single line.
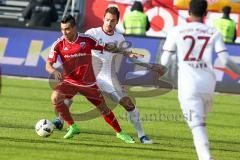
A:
[(113, 10), (198, 7), (69, 19)]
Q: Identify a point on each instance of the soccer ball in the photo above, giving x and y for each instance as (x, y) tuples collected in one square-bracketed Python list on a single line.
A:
[(44, 128)]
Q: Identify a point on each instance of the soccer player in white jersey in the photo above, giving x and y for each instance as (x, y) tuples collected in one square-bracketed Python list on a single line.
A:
[(194, 43), (107, 78)]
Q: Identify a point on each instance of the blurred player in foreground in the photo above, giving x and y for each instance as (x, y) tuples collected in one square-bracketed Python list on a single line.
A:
[(194, 43), (75, 52)]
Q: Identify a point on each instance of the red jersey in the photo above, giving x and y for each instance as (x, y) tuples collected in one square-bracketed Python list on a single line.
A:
[(76, 58)]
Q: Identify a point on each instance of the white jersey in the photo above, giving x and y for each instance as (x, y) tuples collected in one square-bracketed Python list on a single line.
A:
[(105, 69), (194, 43)]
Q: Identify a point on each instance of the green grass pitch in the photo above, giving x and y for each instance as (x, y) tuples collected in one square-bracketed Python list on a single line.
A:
[(24, 102)]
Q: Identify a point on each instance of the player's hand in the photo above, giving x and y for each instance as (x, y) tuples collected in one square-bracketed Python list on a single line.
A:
[(57, 75), (135, 55), (160, 71), (111, 47)]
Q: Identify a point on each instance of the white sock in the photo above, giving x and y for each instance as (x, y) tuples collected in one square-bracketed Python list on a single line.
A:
[(201, 143), (135, 119)]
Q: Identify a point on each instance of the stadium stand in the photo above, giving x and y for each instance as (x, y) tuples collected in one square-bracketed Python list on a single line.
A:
[(11, 12)]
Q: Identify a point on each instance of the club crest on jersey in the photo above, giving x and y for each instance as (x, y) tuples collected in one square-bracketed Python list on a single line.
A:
[(83, 44), (100, 41)]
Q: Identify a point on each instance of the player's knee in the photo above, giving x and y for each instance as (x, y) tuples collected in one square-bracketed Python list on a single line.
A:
[(68, 102), (53, 99), (194, 118), (196, 121), (127, 103)]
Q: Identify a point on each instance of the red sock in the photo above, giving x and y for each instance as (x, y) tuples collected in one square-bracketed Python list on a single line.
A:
[(112, 121), (63, 111)]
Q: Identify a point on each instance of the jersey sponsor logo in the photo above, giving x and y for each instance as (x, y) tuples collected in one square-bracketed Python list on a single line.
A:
[(75, 55)]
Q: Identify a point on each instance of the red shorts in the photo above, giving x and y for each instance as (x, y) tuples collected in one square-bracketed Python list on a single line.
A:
[(92, 93)]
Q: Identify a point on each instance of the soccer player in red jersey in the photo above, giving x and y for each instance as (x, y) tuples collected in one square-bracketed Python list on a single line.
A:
[(74, 50)]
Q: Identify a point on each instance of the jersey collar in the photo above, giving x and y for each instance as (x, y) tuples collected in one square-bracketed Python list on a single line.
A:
[(73, 41), (107, 33)]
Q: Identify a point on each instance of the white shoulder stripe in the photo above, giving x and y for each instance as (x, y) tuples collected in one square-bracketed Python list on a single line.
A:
[(55, 43)]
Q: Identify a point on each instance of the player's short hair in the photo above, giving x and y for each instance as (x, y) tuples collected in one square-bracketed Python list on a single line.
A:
[(198, 7), (69, 19), (113, 10), (226, 10)]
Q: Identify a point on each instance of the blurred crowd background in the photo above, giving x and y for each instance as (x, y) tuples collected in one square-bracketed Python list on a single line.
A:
[(161, 15)]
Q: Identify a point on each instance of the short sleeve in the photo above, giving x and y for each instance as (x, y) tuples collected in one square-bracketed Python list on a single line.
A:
[(219, 44), (52, 57), (170, 43), (90, 32), (95, 44)]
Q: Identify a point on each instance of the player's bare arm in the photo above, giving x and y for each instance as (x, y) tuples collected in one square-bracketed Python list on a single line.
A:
[(135, 55), (51, 70), (112, 47), (227, 62), (131, 54)]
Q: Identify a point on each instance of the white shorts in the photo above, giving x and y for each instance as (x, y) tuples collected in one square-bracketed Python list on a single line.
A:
[(112, 89), (195, 108)]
